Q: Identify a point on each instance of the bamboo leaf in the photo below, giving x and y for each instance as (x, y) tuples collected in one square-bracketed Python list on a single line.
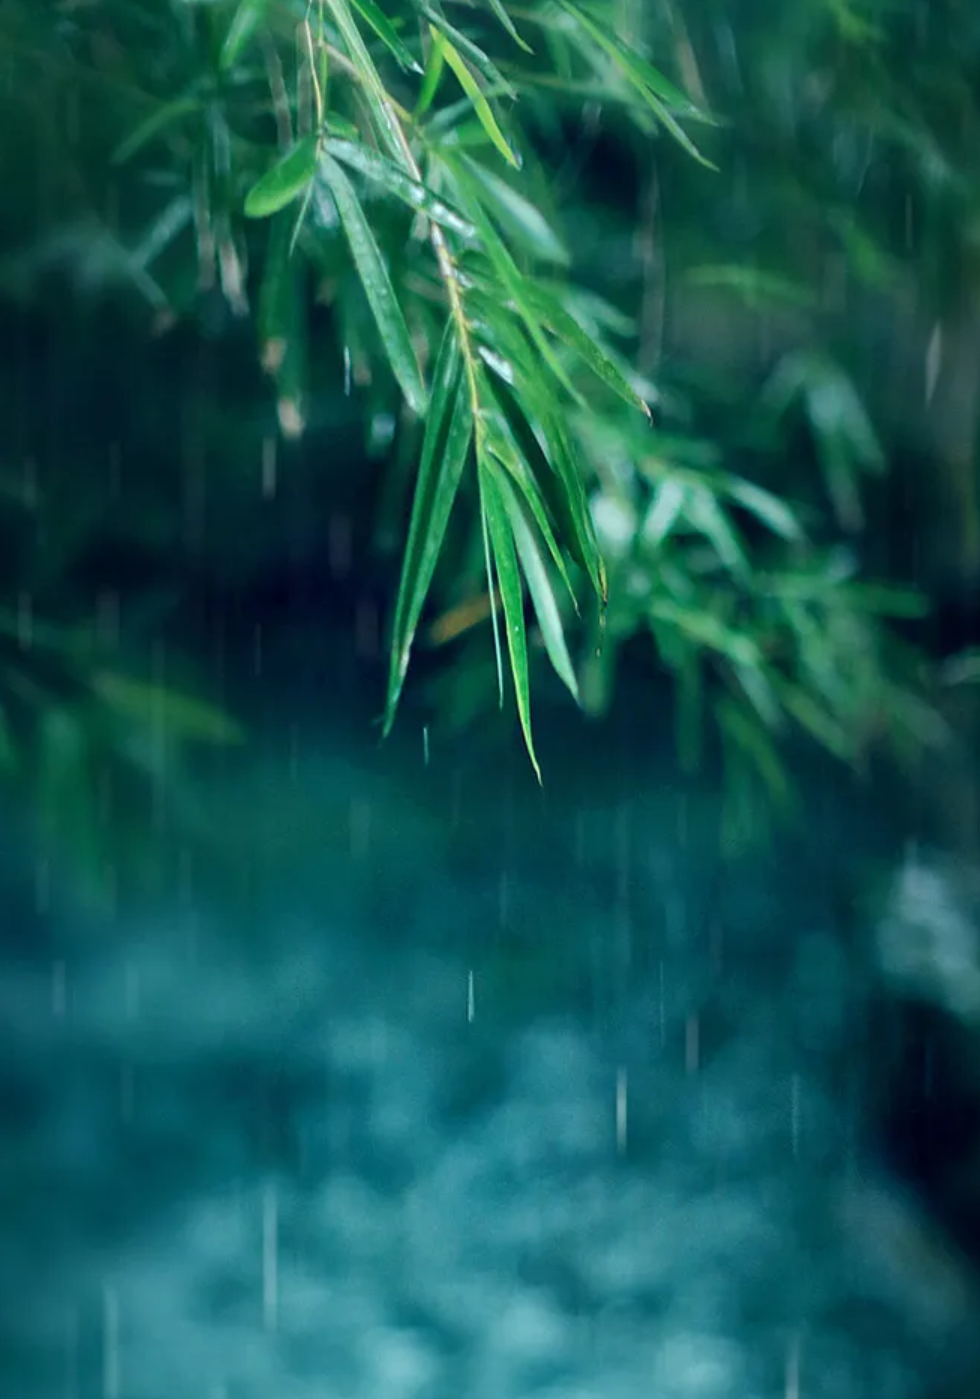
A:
[(511, 595), (394, 179), (244, 23), (481, 106), (521, 219), (377, 286), (379, 103), (434, 65), (504, 18), (654, 89), (501, 444), (539, 586), (167, 115), (774, 513), (388, 34), (185, 715), (565, 326), (287, 179), (445, 449), (465, 47)]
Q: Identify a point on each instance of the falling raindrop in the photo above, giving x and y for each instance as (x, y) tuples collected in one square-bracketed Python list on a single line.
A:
[(470, 997), (270, 1257), (110, 1344), (347, 371), (425, 744), (621, 1110)]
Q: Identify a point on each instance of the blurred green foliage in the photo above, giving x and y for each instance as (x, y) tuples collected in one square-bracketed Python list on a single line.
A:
[(612, 284)]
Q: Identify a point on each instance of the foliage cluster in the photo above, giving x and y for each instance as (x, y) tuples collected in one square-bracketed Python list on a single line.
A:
[(425, 171)]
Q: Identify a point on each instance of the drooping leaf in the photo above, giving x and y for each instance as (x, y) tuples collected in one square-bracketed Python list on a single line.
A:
[(564, 325), (244, 22), (186, 716), (522, 221), (504, 18), (167, 115), (465, 47), (376, 94), (371, 268), (392, 177), (652, 87), (512, 597), (373, 15), (481, 106), (445, 450), (286, 181), (434, 65), (769, 509), (539, 586)]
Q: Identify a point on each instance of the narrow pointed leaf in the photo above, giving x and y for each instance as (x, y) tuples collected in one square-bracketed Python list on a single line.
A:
[(481, 106), (646, 81), (374, 89), (377, 286), (434, 65), (567, 328), (539, 586), (769, 509), (245, 21), (287, 179), (511, 595), (418, 196), (167, 115), (521, 219), (504, 18), (388, 34), (465, 48), (501, 445), (445, 449)]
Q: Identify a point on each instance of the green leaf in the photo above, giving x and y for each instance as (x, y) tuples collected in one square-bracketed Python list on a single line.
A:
[(774, 513), (501, 443), (465, 47), (245, 21), (434, 65), (287, 179), (708, 631), (388, 34), (514, 282), (539, 586), (445, 450), (167, 115), (565, 503), (564, 325), (377, 286), (508, 24), (481, 106), (375, 92), (511, 595), (521, 219), (415, 194), (186, 716), (654, 89)]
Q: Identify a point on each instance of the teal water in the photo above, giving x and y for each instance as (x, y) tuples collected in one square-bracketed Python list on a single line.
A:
[(464, 1090)]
